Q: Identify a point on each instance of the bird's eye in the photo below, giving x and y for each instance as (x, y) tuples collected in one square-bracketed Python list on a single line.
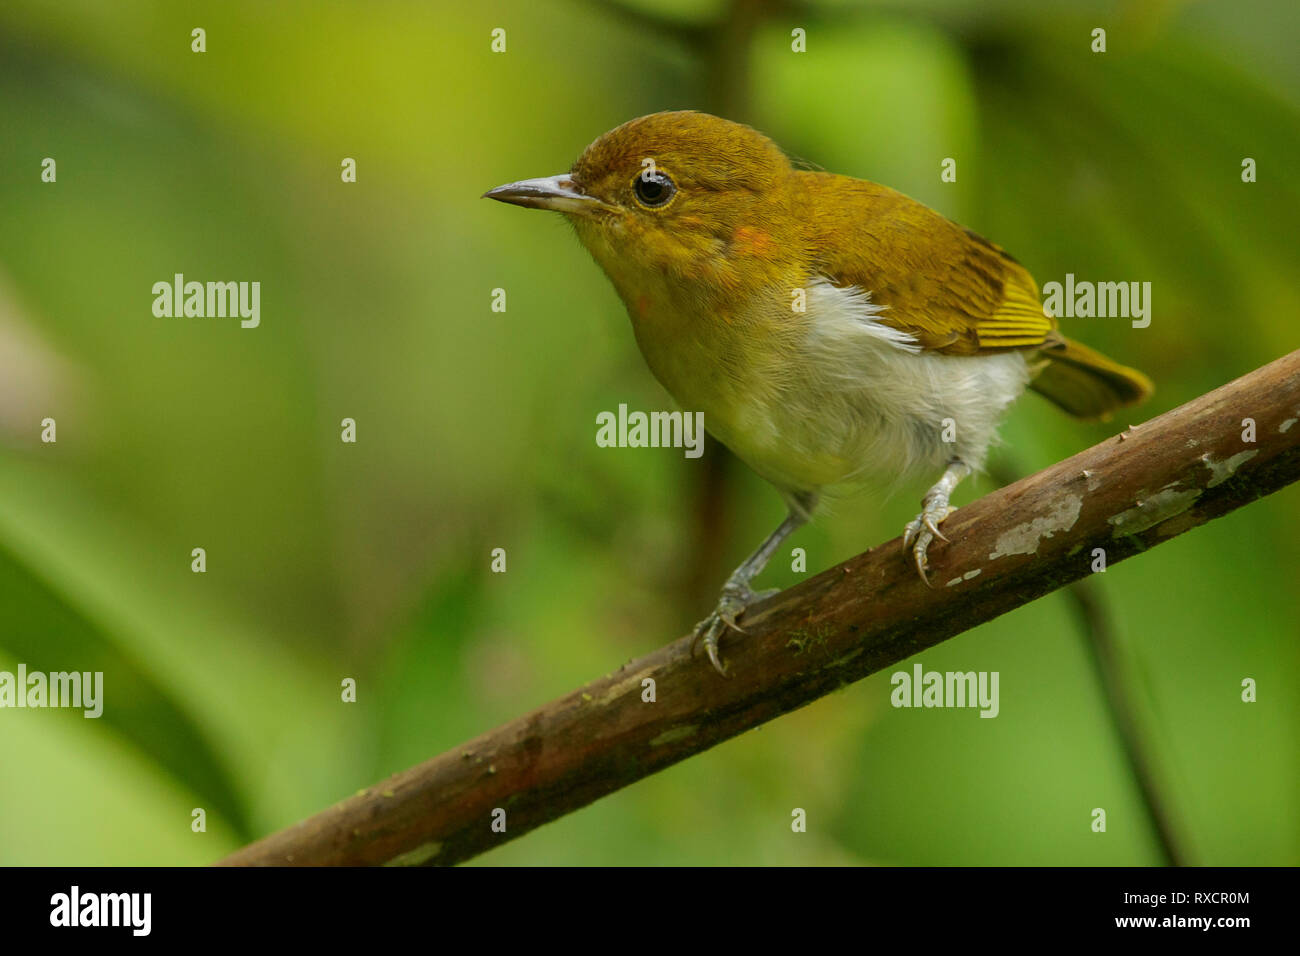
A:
[(653, 190)]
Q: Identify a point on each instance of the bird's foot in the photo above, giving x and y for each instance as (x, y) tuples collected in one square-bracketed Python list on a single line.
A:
[(735, 599), (923, 529)]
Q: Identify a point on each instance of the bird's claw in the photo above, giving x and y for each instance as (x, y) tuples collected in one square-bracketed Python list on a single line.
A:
[(710, 630), (731, 606), (921, 532), (933, 528)]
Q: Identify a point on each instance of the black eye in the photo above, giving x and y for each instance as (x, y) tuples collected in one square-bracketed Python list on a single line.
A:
[(653, 189)]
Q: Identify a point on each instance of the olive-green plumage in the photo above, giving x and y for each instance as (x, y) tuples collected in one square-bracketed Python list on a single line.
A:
[(954, 291), (830, 329)]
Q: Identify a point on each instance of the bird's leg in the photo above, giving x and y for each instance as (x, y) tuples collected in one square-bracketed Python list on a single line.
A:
[(736, 593), (924, 528)]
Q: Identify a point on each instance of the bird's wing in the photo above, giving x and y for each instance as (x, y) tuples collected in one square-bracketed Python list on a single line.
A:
[(953, 290)]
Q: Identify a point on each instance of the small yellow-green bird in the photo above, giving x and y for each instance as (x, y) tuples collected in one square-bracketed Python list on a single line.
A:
[(830, 329)]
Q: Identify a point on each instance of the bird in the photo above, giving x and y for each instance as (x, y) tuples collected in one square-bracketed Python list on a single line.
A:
[(833, 331)]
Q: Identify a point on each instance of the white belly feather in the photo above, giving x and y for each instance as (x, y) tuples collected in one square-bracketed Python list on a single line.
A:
[(857, 400)]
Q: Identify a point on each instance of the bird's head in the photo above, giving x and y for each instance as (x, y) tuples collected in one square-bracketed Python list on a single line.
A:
[(683, 195)]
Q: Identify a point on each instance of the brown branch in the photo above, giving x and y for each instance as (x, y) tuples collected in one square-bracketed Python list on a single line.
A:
[(1088, 601), (1125, 495)]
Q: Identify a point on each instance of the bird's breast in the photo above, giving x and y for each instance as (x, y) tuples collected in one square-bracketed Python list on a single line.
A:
[(822, 395)]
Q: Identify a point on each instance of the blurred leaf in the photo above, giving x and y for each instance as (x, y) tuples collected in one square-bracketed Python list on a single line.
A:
[(42, 630)]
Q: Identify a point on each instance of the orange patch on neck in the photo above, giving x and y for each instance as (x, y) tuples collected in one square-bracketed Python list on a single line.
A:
[(755, 241), (642, 305)]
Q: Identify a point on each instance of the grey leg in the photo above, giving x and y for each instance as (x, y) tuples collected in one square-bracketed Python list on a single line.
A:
[(736, 593), (924, 528)]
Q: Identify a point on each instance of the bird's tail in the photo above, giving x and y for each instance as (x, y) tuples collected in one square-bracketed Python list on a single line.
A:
[(1086, 383)]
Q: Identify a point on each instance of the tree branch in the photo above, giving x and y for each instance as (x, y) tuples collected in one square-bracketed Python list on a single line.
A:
[(1091, 609), (1125, 495)]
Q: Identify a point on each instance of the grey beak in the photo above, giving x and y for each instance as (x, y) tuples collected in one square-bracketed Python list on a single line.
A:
[(559, 193)]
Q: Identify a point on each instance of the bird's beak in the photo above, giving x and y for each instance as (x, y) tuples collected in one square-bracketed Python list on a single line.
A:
[(559, 193)]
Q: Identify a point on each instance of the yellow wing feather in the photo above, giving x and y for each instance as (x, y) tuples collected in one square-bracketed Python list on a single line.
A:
[(953, 290)]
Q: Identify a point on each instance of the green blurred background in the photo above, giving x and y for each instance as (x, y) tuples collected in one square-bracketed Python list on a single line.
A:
[(476, 429)]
